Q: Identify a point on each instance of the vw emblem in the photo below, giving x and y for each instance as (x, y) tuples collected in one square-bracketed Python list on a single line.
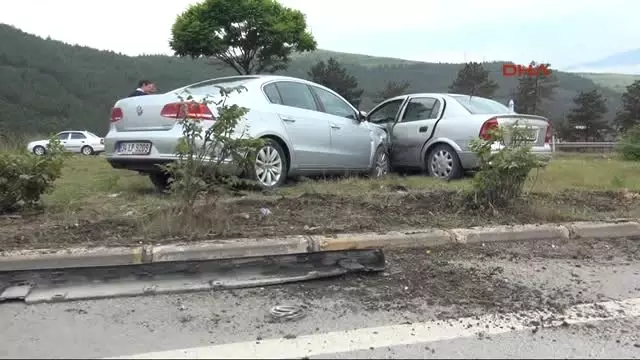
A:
[(139, 110)]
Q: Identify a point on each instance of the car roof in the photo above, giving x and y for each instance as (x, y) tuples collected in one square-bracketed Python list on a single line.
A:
[(259, 77)]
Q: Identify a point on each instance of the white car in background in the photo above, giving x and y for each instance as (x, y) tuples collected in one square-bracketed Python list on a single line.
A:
[(83, 142)]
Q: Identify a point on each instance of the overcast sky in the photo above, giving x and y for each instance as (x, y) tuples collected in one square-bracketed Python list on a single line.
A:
[(560, 32)]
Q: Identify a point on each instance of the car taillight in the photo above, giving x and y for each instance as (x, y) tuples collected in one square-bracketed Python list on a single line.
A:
[(193, 111), (116, 114), (488, 125), (547, 135)]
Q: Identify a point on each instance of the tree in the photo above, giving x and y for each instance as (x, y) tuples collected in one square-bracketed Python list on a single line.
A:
[(586, 119), (533, 90), (629, 116), (251, 36), (332, 75), (473, 80), (392, 89)]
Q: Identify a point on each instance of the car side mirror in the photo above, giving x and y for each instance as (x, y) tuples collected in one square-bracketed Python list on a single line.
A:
[(362, 115)]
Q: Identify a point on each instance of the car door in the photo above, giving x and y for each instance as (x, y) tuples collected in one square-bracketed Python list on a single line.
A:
[(416, 124), (385, 115), (64, 139), (307, 128), (351, 141), (76, 141)]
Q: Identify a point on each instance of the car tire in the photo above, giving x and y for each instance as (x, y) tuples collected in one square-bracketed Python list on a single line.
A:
[(381, 164), (270, 161), (443, 162), (39, 150), (161, 181), (86, 150)]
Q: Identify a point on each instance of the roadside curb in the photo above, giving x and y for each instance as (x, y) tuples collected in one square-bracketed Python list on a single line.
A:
[(302, 244)]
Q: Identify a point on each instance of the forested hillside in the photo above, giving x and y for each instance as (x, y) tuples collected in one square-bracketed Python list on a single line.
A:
[(48, 86)]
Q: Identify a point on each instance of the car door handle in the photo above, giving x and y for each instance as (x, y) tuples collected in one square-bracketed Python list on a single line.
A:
[(423, 129), (287, 119), (334, 126)]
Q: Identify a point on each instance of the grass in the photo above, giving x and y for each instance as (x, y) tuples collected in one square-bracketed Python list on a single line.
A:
[(89, 184), (94, 204)]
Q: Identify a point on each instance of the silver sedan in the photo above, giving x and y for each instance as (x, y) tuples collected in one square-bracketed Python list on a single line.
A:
[(433, 131), (309, 129)]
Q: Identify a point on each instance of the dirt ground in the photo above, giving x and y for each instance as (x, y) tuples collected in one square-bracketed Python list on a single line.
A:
[(309, 213), (469, 280)]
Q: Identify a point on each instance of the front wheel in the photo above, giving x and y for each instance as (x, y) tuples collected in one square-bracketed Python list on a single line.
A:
[(381, 165), (270, 167), (39, 150), (87, 150), (443, 163)]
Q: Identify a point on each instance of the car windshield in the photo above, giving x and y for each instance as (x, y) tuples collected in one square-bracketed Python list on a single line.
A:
[(92, 134), (479, 105)]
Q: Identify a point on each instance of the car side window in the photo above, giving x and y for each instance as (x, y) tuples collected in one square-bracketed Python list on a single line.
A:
[(271, 91), (386, 113), (296, 95), (334, 105), (77, 136), (421, 109), (63, 136)]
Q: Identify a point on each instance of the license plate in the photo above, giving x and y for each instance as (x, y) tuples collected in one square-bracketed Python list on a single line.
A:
[(529, 135), (132, 148)]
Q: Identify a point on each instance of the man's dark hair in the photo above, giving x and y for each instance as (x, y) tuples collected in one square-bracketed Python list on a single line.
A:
[(142, 83)]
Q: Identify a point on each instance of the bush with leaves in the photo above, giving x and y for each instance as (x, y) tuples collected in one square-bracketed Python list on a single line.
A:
[(209, 159), (25, 177), (502, 174), (629, 145)]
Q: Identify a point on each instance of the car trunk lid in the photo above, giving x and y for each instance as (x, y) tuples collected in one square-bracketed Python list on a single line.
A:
[(536, 129)]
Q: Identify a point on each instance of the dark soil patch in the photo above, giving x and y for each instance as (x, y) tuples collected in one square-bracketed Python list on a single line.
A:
[(415, 280), (310, 214)]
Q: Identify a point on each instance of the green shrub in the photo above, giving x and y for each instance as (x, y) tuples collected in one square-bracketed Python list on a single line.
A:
[(629, 145), (25, 177), (207, 155), (502, 174)]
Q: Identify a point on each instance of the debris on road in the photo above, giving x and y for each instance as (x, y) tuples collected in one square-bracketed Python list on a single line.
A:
[(287, 312)]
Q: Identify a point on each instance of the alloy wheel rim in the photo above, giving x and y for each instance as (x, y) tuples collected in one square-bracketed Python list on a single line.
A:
[(268, 166), (382, 163)]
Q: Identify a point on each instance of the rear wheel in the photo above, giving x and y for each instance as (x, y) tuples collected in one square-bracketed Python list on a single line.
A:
[(270, 167), (443, 163), (161, 181)]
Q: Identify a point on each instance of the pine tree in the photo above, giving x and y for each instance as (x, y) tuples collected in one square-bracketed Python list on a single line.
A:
[(332, 75), (473, 80), (586, 119), (629, 116), (532, 91)]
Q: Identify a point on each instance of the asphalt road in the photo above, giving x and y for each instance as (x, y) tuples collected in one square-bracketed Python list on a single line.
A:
[(497, 300)]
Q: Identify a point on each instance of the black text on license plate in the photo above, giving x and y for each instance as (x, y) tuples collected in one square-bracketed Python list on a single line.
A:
[(134, 148)]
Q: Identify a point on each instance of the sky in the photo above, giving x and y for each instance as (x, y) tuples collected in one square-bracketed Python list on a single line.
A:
[(563, 33)]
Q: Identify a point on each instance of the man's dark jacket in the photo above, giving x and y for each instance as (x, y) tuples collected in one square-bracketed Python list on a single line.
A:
[(137, 92)]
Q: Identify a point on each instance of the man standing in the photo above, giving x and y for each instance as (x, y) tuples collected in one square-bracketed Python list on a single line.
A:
[(145, 87)]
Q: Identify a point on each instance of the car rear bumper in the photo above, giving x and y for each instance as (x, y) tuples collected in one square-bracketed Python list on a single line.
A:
[(98, 148)]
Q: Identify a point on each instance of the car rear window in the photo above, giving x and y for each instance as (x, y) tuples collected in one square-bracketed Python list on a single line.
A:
[(479, 105)]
